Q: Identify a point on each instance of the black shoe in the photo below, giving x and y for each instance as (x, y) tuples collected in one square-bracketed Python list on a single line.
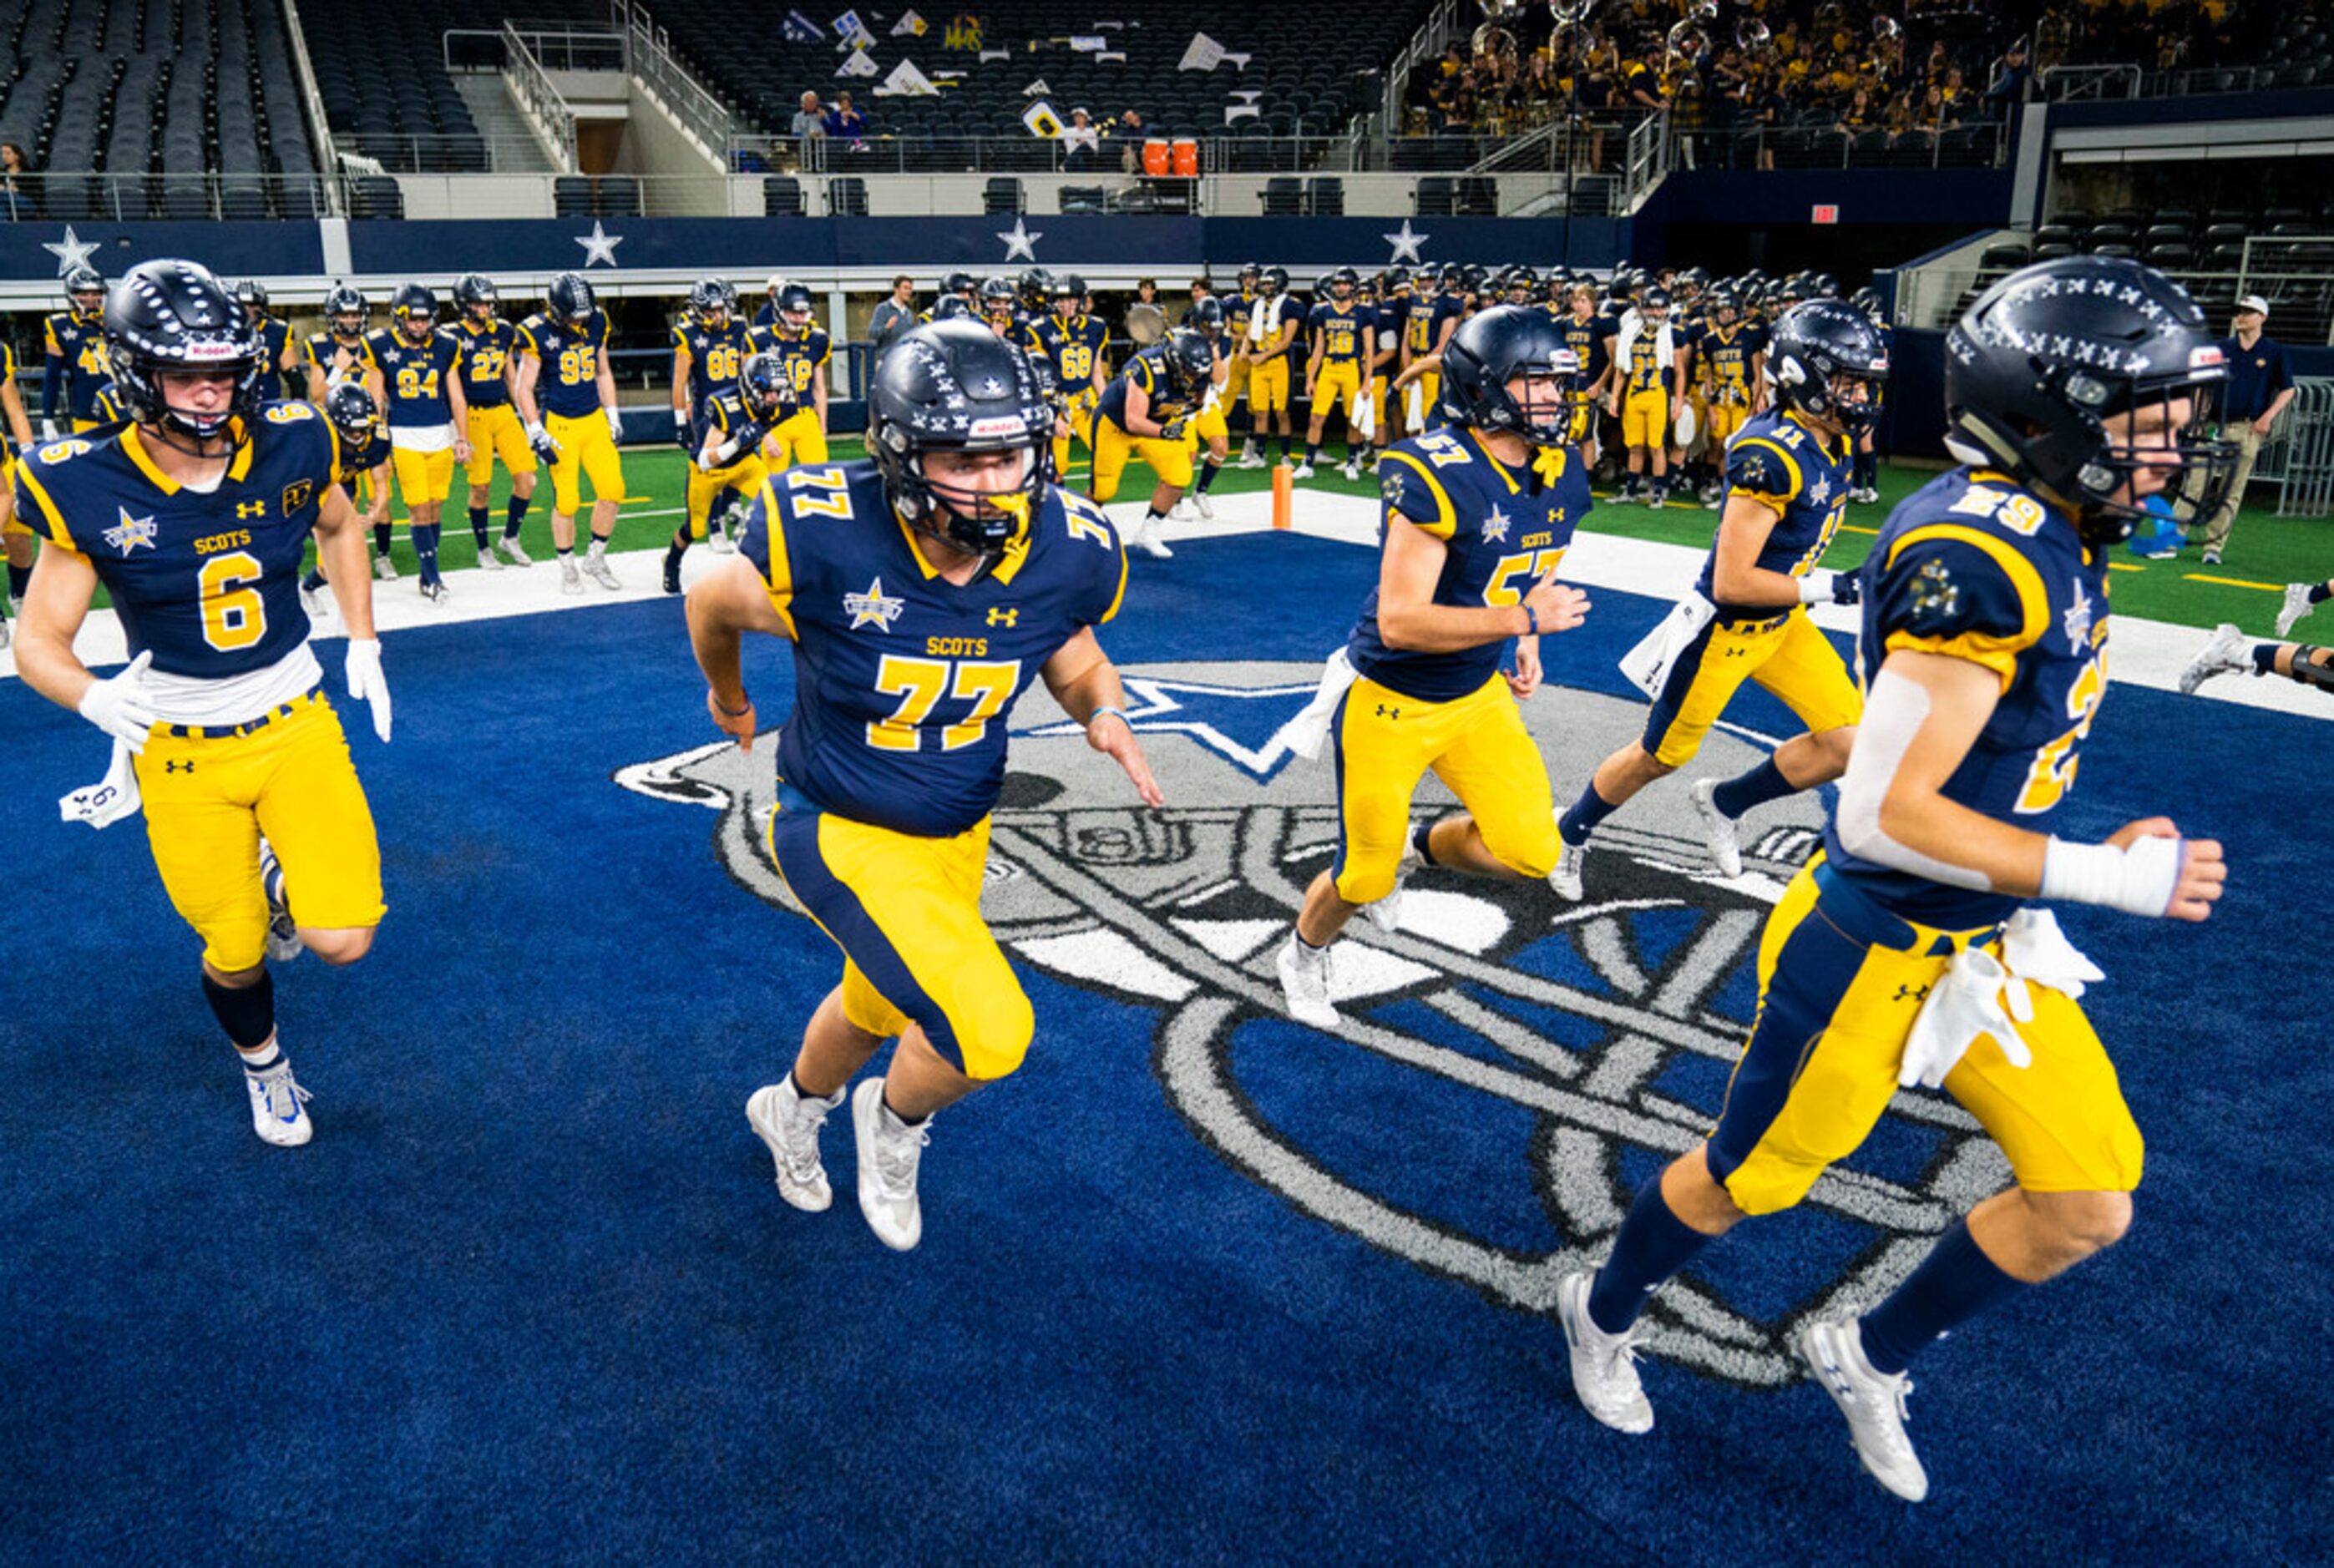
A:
[(672, 573)]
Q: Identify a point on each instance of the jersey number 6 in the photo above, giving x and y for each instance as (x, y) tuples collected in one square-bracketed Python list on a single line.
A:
[(234, 615)]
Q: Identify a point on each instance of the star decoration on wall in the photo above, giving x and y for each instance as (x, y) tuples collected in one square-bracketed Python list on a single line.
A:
[(1020, 242), (599, 245)]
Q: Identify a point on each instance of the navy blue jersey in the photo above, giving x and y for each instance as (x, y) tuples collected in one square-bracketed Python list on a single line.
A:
[(414, 376), (805, 354), (1073, 348), (1726, 354), (274, 335), (1277, 312), (75, 346), (355, 461), (568, 352), (332, 354), (1973, 566), (485, 356), (1425, 324), (1506, 528), (1347, 333), (1148, 370), (1781, 463), (1591, 341), (208, 583), (715, 355), (903, 680)]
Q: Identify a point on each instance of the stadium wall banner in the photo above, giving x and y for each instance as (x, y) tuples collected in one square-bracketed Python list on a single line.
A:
[(1977, 197), (39, 250)]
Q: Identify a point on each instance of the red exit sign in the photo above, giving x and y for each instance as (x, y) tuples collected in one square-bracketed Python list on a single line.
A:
[(1825, 212)]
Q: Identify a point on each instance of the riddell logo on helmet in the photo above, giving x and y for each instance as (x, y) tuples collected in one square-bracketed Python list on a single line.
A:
[(2210, 354), (1000, 425), (211, 352)]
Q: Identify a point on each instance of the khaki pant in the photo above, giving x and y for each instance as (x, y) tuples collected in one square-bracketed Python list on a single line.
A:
[(2249, 445)]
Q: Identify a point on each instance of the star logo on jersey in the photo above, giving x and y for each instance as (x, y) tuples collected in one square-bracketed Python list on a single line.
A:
[(599, 245), (1405, 243), (2079, 618), (73, 252), (1820, 491), (132, 533), (873, 608), (1020, 241), (1495, 526)]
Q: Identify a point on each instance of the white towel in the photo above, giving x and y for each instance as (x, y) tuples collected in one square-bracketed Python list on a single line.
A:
[(1310, 730), (110, 799), (1647, 665)]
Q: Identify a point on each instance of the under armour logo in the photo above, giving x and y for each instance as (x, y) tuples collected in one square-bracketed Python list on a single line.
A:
[(250, 508), (1386, 712), (1001, 616), (176, 766), (1912, 993)]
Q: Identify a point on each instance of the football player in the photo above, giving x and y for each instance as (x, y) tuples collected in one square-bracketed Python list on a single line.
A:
[(1901, 954), (1434, 316), (730, 459), (1344, 336), (75, 364), (882, 830), (1075, 347), (1035, 290), (282, 359), (16, 533), (1239, 309), (1208, 434), (1476, 518), (1275, 323), (360, 455), (1647, 359), (337, 351), (2300, 599), (1866, 475), (565, 391), (1590, 338), (1786, 491), (1000, 308), (2229, 651), (960, 287), (1733, 355), (488, 349), (801, 437), (409, 368), (710, 345), (1145, 412), (193, 518)]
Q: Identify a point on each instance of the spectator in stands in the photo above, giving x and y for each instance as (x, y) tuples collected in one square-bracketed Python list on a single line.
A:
[(2010, 77), (1128, 129), (843, 122), (1080, 142), (809, 120), (19, 186), (2258, 389), (894, 315)]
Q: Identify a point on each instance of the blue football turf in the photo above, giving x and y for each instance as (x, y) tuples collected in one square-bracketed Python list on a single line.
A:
[(531, 1296)]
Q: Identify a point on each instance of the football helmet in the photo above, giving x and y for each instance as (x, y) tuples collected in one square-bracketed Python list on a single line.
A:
[(706, 296), (957, 387), (1814, 346), (1340, 284), (1036, 285), (346, 311), (961, 284), (763, 385), (475, 296), (352, 412), (252, 295), (414, 310), (174, 315), (1190, 360), (85, 291), (795, 308), (1493, 347), (1273, 281), (571, 298)]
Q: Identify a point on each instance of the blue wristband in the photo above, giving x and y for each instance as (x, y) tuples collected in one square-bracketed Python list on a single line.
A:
[(1533, 616), (1106, 708)]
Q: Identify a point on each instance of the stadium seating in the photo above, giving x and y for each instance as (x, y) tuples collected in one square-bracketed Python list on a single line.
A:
[(107, 96)]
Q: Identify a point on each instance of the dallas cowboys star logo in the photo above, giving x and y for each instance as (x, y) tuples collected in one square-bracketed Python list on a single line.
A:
[(1020, 241), (599, 245), (873, 609), (1495, 526), (132, 533), (1406, 245), (74, 252), (1246, 724)]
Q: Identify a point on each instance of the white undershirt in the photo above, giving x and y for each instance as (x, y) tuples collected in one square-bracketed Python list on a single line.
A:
[(233, 698)]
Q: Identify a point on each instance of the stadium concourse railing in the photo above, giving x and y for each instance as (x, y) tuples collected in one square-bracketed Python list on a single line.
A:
[(2097, 84), (2308, 446), (177, 198), (1767, 147)]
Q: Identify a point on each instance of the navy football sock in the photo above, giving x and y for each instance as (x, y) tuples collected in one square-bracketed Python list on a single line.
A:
[(2317, 595), (381, 538), (1207, 472), (514, 515), (479, 525), (1284, 449), (1953, 1283), (425, 547), (1652, 1245), (1312, 453), (315, 579), (2265, 658), (1762, 783), (248, 1012), (19, 579), (1590, 809), (1421, 840)]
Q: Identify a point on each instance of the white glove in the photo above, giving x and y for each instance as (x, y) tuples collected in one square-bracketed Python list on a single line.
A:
[(367, 684), (49, 431), (615, 425), (111, 798), (2035, 949), (1965, 1005), (119, 707)]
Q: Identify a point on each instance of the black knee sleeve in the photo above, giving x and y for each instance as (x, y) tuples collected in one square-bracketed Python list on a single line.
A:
[(247, 1013), (2308, 671)]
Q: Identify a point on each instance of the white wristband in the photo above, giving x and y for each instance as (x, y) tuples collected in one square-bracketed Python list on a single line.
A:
[(2139, 880), (1815, 588)]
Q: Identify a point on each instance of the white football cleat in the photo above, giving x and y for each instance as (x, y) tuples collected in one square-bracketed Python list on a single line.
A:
[(318, 601), (487, 560), (1387, 913), (571, 581), (1305, 984), (435, 593), (1147, 540), (1873, 1402), (717, 539), (278, 1106), (597, 569), (512, 552), (2297, 605), (1718, 830), (1303, 471), (2224, 655), (1205, 507), (384, 568), (1350, 469), (1604, 1366), (888, 1152), (789, 1122), (1565, 881), (1182, 511), (1251, 457)]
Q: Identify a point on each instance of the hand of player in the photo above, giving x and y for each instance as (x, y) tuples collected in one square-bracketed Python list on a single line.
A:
[(119, 705), (1112, 735), (539, 441), (738, 727), (461, 450), (2204, 873), (750, 438), (1525, 679), (615, 425), (1560, 608), (367, 684), (1847, 587), (1173, 430), (49, 431), (682, 436)]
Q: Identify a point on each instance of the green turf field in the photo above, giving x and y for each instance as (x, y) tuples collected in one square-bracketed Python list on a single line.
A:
[(2265, 551)]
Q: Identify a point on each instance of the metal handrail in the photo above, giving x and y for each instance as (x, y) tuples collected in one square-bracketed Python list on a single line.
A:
[(1713, 148), (753, 153), (182, 197), (1651, 153), (2075, 84), (652, 61), (1427, 43), (538, 98), (311, 97)]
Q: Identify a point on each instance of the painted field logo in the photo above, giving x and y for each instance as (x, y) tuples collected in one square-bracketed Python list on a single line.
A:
[(1511, 1067)]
